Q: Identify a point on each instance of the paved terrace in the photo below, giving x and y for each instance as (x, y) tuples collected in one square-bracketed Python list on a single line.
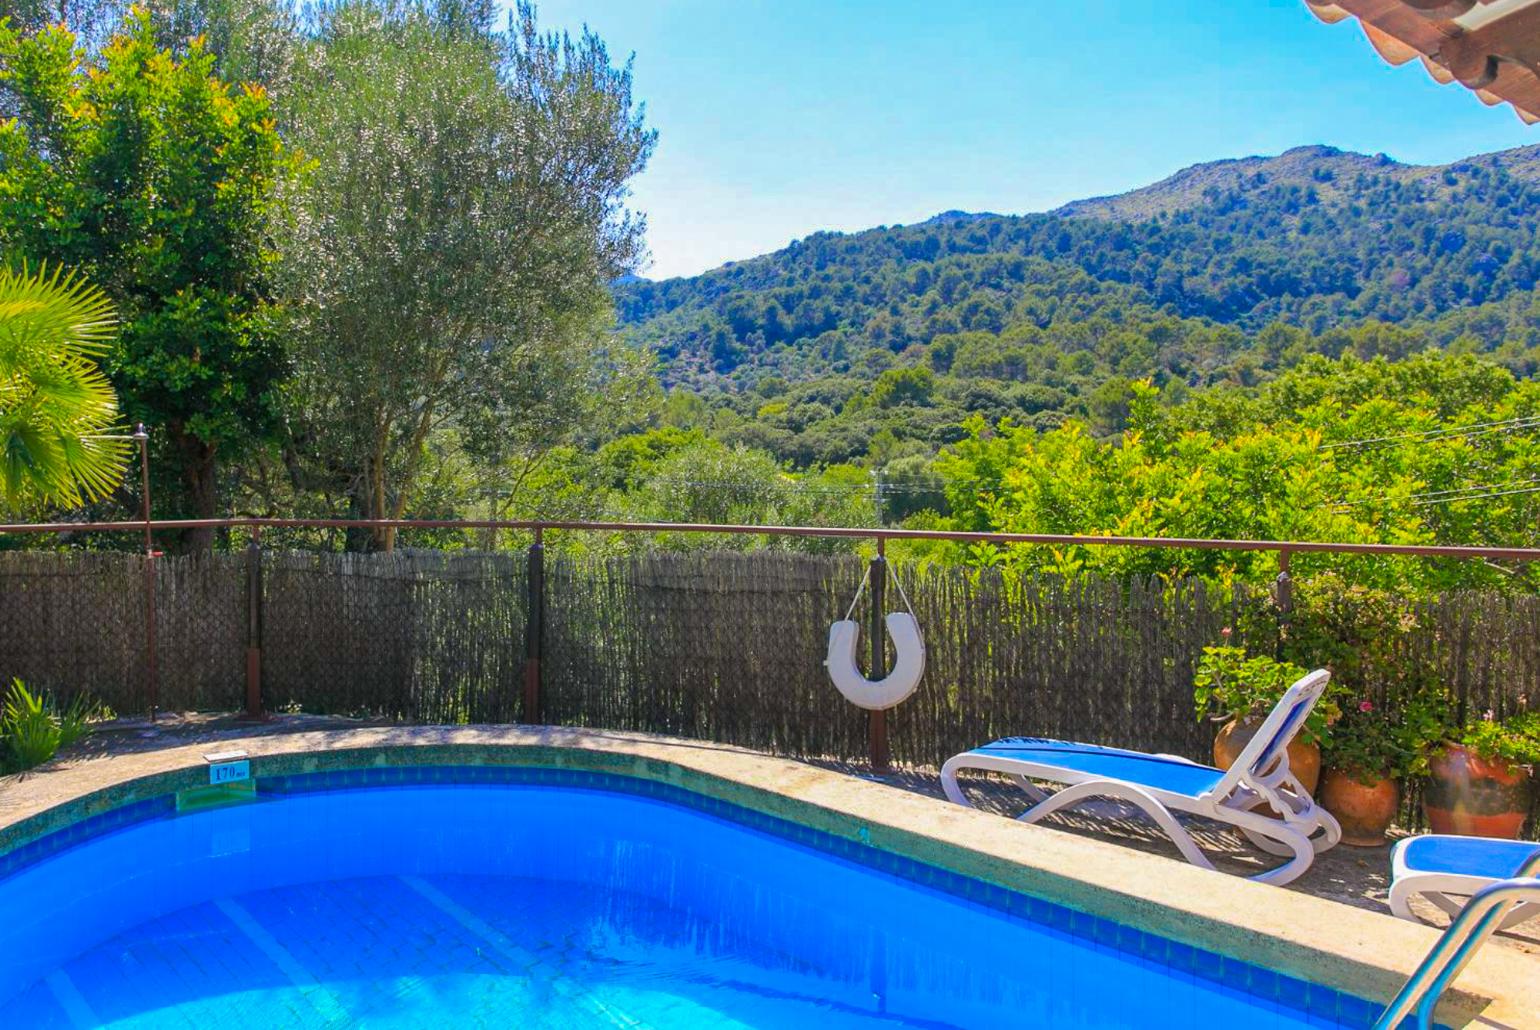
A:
[(1346, 876)]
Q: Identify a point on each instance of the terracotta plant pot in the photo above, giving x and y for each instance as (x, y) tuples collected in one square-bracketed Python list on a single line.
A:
[(1304, 759), (1364, 810), (1473, 797)]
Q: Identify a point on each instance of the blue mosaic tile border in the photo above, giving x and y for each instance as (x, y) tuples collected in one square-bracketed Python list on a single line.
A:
[(89, 828), (1320, 1006)]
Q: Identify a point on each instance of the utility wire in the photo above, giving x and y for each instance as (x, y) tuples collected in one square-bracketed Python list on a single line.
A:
[(1474, 429), (1469, 493), (1474, 489), (1476, 497), (888, 486)]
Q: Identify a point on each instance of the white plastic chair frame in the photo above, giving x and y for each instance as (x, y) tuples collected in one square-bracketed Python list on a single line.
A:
[(1451, 892), (1260, 781), (908, 648)]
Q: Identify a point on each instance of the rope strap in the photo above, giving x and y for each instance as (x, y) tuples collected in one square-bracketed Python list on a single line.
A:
[(865, 579), (902, 596), (859, 591)]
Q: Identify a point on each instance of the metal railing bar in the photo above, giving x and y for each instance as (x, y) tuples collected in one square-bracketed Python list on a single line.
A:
[(1477, 921), (833, 532)]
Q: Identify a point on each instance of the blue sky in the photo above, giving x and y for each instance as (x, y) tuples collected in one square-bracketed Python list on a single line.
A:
[(783, 117)]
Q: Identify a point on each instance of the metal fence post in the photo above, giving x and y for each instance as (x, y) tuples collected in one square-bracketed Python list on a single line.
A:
[(877, 721), (151, 655), (254, 711), (534, 629), (1283, 592)]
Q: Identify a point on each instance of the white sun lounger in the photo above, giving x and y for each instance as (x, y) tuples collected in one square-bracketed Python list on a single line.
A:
[(1246, 797), (1447, 870)]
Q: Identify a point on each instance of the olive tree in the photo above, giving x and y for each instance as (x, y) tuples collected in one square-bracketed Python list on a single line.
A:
[(449, 251)]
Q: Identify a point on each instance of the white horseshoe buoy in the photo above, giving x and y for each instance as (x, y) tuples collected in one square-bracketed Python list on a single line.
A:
[(908, 666)]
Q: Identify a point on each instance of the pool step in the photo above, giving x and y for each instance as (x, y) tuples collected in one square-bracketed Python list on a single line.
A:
[(215, 795), (230, 783)]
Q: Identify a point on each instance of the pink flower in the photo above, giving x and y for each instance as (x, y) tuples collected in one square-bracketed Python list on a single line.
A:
[(1225, 632), (1366, 705)]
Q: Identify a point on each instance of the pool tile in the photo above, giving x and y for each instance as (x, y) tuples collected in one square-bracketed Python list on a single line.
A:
[(1130, 939), (1180, 957), (1208, 965)]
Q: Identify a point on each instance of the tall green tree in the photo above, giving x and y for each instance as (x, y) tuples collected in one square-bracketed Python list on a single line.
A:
[(57, 410), (452, 244), (155, 178), (1436, 449), (251, 40)]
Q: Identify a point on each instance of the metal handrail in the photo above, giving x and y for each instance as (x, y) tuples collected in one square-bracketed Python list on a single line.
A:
[(1479, 919), (1283, 547)]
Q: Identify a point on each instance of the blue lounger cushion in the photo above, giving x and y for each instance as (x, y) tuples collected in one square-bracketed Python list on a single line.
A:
[(1466, 856), (1169, 774), (1259, 796)]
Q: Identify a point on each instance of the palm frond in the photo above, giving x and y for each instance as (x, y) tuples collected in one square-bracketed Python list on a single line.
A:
[(56, 406)]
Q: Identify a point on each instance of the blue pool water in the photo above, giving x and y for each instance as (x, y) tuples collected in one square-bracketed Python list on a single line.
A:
[(561, 905)]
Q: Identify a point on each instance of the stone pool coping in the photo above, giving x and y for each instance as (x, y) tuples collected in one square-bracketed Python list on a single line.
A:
[(1322, 941)]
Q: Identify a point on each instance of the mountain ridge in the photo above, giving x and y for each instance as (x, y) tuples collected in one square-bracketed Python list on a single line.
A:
[(1302, 165), (1315, 238), (1176, 191)]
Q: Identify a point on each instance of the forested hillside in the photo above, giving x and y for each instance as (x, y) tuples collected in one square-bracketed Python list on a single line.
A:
[(1226, 272)]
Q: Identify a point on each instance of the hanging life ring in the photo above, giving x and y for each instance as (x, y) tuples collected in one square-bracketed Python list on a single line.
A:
[(908, 664)]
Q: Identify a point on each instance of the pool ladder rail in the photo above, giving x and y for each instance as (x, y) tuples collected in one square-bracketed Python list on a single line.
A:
[(1480, 918)]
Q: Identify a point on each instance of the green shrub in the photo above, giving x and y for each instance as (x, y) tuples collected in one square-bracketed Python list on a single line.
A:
[(1374, 740), (1230, 684), (30, 730), (1515, 740), (75, 719), (33, 727)]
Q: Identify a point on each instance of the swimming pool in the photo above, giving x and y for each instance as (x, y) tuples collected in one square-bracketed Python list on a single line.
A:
[(450, 896)]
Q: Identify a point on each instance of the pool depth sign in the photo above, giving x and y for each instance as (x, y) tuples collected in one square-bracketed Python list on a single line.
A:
[(228, 767)]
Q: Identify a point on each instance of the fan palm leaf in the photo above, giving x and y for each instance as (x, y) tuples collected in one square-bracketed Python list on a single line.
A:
[(56, 406)]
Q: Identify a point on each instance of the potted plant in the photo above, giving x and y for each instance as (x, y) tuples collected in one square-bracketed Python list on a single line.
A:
[(1239, 690), (1368, 751), (1478, 782)]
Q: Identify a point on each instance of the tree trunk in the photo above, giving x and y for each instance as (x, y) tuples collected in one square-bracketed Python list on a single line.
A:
[(358, 538), (381, 539), (200, 480), (366, 500)]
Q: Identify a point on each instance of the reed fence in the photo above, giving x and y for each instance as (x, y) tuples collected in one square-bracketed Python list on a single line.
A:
[(719, 646), (716, 646)]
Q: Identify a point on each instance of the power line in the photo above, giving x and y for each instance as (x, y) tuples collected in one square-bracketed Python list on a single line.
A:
[(1474, 429), (888, 486), (730, 484), (1477, 497), (1473, 489), (1464, 493)]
